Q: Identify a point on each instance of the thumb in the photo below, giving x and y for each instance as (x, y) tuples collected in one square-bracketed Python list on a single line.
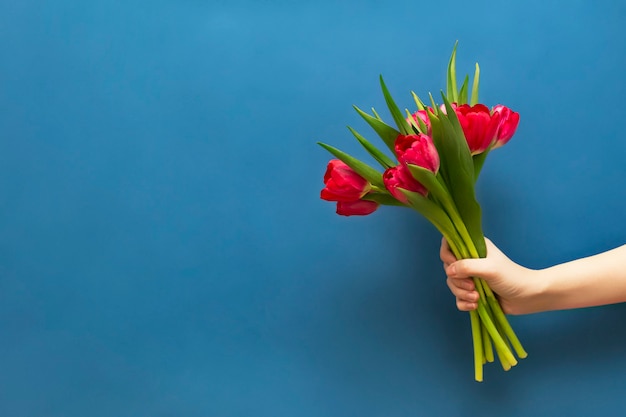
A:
[(466, 268)]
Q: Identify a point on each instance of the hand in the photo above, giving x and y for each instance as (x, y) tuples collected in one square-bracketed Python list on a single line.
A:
[(515, 286)]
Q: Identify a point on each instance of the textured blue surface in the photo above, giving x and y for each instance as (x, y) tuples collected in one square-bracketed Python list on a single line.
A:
[(164, 252)]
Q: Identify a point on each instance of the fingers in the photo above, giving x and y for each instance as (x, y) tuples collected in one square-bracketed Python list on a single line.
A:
[(463, 290), (466, 268), (446, 255), (465, 305)]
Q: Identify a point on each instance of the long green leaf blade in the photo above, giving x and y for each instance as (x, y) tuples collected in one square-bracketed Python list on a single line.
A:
[(463, 92), (383, 198), (475, 86), (387, 133), (461, 176), (396, 113), (451, 89), (382, 159), (433, 214), (418, 102)]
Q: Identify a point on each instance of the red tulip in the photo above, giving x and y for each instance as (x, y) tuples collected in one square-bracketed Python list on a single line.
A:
[(356, 208), (417, 150), (508, 124), (400, 177), (479, 126), (343, 184)]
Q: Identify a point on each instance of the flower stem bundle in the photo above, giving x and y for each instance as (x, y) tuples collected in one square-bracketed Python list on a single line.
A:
[(438, 153)]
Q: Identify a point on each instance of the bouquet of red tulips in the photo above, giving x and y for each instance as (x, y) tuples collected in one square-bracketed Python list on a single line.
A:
[(437, 155)]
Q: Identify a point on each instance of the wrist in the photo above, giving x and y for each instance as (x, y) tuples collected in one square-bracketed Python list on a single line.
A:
[(536, 296)]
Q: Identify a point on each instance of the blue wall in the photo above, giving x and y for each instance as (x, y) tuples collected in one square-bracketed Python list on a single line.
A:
[(163, 248)]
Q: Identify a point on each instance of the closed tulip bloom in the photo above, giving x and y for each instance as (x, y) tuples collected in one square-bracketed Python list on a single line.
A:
[(343, 184), (400, 177), (356, 208), (479, 125), (508, 124), (417, 150)]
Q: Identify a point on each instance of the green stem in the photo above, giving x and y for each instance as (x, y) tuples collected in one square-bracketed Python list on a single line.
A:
[(478, 347), (498, 342), (495, 308), (487, 347), (459, 251), (506, 326)]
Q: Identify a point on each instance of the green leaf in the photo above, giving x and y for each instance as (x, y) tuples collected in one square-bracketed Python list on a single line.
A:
[(414, 129), (396, 113), (383, 198), (376, 114), (382, 159), (463, 92), (420, 107), (451, 89), (370, 174), (479, 160), (460, 176), (455, 124), (387, 133), (429, 180), (441, 194), (433, 213), (475, 85), (418, 103), (433, 104)]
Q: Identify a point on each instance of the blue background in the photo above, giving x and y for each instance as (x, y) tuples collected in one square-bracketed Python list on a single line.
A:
[(163, 248)]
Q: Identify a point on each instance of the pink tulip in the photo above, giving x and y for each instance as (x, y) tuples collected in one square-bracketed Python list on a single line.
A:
[(343, 184), (508, 124), (417, 150), (400, 177), (356, 208), (479, 126)]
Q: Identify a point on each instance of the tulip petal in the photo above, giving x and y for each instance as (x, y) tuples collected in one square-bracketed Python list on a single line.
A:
[(361, 168), (356, 208)]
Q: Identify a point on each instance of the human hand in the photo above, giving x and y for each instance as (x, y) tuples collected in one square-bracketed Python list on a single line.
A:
[(515, 286)]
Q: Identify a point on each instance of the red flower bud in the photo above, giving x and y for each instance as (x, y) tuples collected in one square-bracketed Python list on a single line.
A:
[(356, 208), (417, 150), (343, 184), (479, 126), (508, 124), (400, 177)]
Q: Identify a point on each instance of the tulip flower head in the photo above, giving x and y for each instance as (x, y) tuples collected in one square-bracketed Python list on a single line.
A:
[(508, 124), (479, 125), (343, 184), (417, 150), (347, 188), (398, 177)]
